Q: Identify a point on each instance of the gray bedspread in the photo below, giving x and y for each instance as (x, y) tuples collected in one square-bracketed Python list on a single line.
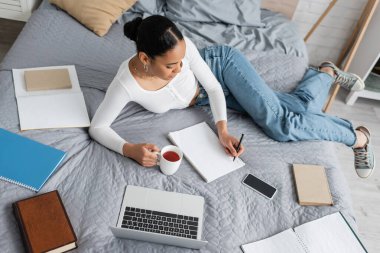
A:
[(91, 179), (278, 34)]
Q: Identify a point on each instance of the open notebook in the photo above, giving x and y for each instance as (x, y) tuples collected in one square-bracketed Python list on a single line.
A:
[(203, 150), (53, 108), (328, 234)]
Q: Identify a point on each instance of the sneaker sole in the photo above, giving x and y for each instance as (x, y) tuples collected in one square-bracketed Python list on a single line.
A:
[(374, 166), (361, 81)]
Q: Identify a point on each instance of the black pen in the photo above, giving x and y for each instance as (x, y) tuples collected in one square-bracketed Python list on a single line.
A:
[(238, 147)]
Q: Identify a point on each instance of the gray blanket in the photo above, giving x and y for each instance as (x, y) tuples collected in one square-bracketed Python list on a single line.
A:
[(278, 34), (91, 179)]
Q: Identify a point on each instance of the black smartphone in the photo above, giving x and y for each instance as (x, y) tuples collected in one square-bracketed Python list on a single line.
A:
[(259, 186)]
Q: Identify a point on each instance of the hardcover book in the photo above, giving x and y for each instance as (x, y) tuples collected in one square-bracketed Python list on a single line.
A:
[(49, 79), (44, 224), (312, 185)]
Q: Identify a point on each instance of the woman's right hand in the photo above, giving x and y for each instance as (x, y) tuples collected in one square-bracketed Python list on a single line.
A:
[(143, 153)]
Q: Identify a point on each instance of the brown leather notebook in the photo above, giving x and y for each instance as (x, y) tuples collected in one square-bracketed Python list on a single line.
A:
[(312, 185), (44, 224), (47, 79)]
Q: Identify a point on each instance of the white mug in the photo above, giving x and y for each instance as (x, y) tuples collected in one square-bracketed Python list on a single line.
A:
[(169, 167)]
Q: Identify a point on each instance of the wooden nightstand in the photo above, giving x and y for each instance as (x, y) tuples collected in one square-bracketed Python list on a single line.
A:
[(17, 9)]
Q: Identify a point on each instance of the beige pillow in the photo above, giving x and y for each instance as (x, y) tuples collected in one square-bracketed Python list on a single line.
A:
[(97, 15)]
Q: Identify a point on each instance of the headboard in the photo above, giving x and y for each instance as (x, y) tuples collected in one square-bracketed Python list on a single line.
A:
[(286, 7)]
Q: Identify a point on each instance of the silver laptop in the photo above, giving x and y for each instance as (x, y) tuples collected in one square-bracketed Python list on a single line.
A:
[(161, 217)]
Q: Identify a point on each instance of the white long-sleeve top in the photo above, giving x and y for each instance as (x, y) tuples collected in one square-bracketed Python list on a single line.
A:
[(177, 94)]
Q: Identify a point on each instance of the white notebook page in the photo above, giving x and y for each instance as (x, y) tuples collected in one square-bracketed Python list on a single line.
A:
[(329, 234), (203, 150), (53, 111), (284, 242)]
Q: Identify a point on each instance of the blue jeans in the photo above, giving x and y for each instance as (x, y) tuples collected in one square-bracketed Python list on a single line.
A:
[(294, 116)]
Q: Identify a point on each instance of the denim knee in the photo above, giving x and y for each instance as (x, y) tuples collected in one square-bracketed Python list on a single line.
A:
[(281, 137), (277, 132), (218, 50)]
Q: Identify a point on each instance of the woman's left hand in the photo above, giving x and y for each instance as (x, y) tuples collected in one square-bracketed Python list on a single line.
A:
[(230, 144)]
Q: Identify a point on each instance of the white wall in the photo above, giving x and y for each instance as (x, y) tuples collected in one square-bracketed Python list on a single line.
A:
[(329, 38)]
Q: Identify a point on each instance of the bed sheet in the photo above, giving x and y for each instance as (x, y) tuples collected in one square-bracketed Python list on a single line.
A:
[(92, 178)]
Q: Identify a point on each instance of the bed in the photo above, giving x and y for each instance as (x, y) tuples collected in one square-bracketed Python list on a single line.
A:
[(92, 178)]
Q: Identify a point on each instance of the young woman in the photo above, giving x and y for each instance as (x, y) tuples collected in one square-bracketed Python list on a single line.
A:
[(168, 72)]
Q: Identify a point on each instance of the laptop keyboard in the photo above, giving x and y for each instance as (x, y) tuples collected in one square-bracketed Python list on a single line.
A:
[(160, 222)]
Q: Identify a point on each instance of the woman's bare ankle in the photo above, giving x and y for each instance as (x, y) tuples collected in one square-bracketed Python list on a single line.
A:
[(361, 139), (327, 70)]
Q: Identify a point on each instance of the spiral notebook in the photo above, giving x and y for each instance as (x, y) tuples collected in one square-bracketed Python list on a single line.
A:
[(331, 233), (204, 152), (26, 162)]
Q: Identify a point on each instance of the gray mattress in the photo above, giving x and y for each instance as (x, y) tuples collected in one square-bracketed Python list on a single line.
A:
[(92, 178)]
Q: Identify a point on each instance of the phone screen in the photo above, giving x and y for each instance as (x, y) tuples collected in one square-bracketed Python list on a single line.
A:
[(259, 186)]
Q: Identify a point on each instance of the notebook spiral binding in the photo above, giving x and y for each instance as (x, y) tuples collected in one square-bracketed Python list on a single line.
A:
[(18, 183), (301, 242)]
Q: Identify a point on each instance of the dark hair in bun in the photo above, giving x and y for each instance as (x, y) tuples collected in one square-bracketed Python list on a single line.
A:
[(154, 35), (131, 28)]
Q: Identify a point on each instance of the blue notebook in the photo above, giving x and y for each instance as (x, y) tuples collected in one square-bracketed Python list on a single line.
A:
[(25, 162)]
